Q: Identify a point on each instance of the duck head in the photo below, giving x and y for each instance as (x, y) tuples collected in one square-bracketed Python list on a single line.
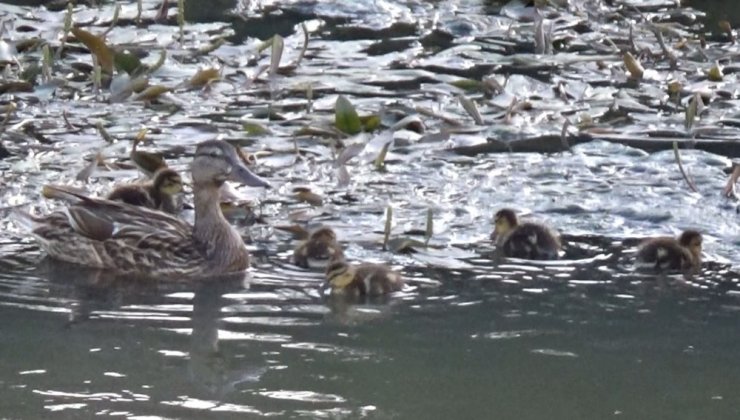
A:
[(167, 181), (692, 240), (217, 161), (504, 221)]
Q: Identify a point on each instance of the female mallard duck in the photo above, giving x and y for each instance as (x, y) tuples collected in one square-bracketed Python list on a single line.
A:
[(320, 247), (361, 280), (670, 253), (134, 240), (531, 241), (160, 193)]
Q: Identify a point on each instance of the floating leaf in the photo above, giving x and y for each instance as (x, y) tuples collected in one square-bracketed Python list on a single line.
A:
[(405, 245), (305, 195), (469, 85), (97, 47), (151, 93), (255, 129), (715, 73), (471, 108), (633, 66), (370, 122), (380, 159), (298, 231), (277, 54), (88, 170), (204, 77), (15, 86), (430, 226), (127, 62), (412, 123), (104, 133), (388, 225), (677, 155), (121, 88), (343, 177), (345, 116)]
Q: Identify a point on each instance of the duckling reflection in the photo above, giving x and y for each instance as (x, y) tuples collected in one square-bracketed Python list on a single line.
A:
[(95, 295), (531, 241), (665, 253)]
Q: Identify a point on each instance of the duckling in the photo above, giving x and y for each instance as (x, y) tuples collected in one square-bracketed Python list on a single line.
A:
[(531, 241), (667, 253), (159, 193), (320, 247), (361, 280)]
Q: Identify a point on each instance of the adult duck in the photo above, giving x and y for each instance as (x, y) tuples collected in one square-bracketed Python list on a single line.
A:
[(132, 240)]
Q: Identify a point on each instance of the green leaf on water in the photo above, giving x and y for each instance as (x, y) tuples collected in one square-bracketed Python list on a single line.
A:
[(127, 62), (255, 129), (345, 116), (370, 122)]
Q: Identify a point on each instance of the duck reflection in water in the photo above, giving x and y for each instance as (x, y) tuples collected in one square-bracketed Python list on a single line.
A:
[(97, 296)]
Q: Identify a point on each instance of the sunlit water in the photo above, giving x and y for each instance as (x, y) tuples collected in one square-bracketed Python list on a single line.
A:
[(587, 337)]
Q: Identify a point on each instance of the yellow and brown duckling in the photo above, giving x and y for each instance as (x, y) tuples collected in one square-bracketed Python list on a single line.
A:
[(531, 241), (667, 253), (160, 193), (365, 279), (320, 248)]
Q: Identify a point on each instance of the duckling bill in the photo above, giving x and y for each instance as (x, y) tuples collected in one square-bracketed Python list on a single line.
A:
[(667, 253), (362, 280), (160, 193), (320, 247), (530, 241)]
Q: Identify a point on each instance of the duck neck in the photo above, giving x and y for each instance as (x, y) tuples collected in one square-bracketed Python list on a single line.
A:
[(208, 216)]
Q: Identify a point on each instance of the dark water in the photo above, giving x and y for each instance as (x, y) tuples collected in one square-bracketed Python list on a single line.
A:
[(584, 338)]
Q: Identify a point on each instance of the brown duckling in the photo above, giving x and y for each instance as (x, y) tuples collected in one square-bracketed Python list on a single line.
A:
[(159, 193), (531, 241), (361, 280), (667, 253), (320, 247)]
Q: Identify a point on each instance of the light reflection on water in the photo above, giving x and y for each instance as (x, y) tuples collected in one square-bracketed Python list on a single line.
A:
[(587, 337)]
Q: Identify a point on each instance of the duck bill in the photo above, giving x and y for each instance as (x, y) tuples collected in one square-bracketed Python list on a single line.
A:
[(243, 175)]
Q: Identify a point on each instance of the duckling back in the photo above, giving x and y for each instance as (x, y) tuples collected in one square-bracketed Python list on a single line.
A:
[(530, 241), (664, 254)]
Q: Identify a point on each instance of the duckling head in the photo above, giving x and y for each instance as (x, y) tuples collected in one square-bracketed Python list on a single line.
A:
[(504, 221), (339, 274), (167, 181), (323, 234), (692, 240), (217, 161)]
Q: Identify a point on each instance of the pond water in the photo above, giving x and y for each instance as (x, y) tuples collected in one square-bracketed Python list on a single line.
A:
[(585, 337)]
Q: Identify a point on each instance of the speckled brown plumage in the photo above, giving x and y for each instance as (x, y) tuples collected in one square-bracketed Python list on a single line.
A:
[(159, 193), (667, 253), (363, 279), (128, 239), (320, 247), (531, 241)]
